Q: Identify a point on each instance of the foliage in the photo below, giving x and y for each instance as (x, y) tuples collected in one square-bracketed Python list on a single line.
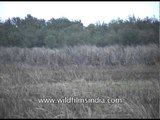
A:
[(61, 32)]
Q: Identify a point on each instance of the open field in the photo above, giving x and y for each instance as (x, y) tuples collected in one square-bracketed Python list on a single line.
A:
[(32, 82)]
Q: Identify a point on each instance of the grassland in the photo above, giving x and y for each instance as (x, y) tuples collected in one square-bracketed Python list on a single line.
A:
[(127, 73)]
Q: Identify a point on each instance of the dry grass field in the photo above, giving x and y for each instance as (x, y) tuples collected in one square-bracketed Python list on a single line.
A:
[(80, 82)]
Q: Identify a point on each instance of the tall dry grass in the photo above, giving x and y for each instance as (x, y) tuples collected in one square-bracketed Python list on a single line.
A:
[(22, 86), (87, 55), (128, 73), (138, 101)]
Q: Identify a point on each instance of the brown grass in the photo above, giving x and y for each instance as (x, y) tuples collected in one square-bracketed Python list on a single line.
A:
[(23, 82)]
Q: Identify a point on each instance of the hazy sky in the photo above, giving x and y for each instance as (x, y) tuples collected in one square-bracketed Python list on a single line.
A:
[(87, 12)]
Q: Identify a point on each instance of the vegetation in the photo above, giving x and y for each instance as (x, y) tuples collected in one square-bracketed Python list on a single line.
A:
[(42, 61), (31, 78), (85, 55), (55, 33), (22, 86)]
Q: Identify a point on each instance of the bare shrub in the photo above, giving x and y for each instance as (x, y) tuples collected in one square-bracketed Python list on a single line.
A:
[(87, 55)]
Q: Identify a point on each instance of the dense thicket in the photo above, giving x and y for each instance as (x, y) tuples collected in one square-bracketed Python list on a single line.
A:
[(82, 55), (55, 33)]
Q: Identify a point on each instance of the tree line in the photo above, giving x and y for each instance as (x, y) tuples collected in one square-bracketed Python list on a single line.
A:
[(55, 33)]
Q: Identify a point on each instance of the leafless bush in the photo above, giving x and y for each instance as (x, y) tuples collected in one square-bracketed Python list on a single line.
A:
[(87, 55)]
